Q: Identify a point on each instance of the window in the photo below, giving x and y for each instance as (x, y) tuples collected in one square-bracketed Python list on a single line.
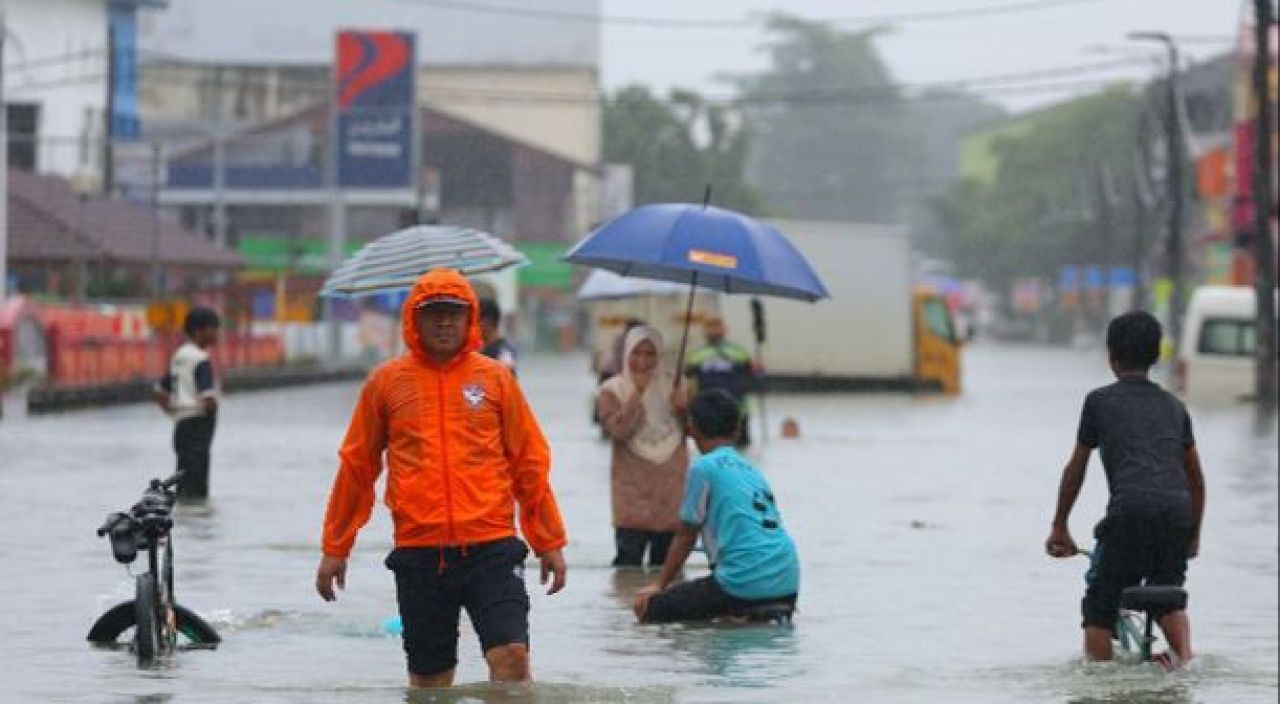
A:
[(938, 319), (1232, 337), (24, 121)]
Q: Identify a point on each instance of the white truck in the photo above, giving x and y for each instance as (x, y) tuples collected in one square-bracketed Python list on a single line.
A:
[(876, 332)]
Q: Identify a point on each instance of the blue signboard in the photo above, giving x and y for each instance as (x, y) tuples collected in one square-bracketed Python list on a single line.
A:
[(1069, 278), (1093, 279), (123, 28), (263, 304), (1121, 277), (375, 98)]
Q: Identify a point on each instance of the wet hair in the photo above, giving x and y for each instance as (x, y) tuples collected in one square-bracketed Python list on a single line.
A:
[(715, 414), (1133, 340), (200, 318), (489, 311)]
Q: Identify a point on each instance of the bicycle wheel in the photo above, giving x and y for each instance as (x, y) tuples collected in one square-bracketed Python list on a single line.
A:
[(195, 629), (106, 631), (146, 636), (1129, 633)]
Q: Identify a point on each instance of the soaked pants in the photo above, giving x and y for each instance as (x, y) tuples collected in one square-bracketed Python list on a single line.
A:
[(631, 543), (192, 438)]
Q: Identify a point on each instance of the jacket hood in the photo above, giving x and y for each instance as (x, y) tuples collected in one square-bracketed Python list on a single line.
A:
[(440, 282)]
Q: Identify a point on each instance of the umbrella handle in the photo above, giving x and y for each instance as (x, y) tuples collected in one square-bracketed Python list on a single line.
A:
[(684, 335)]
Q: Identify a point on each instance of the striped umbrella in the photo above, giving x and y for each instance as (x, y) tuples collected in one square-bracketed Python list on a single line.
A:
[(395, 261)]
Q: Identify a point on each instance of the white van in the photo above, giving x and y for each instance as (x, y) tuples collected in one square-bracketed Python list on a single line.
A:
[(1215, 358)]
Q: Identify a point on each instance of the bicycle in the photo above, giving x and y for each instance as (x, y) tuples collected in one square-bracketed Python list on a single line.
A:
[(154, 617), (1135, 627)]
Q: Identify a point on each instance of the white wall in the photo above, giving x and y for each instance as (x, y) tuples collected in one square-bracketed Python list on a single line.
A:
[(56, 57), (864, 329)]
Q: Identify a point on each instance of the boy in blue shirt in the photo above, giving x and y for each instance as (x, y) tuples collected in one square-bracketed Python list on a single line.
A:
[(754, 562)]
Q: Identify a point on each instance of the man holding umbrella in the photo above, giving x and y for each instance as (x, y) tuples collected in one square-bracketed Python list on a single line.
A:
[(462, 448), (722, 364)]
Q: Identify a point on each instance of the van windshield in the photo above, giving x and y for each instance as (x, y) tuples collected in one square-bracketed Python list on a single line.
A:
[(1227, 336)]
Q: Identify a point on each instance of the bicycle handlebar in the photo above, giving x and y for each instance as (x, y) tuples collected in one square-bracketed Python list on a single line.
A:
[(111, 522), (170, 481)]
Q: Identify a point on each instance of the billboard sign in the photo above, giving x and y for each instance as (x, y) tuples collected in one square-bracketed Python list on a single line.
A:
[(375, 100), (123, 37)]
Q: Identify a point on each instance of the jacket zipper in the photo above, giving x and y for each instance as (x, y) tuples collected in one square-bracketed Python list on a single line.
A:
[(444, 464)]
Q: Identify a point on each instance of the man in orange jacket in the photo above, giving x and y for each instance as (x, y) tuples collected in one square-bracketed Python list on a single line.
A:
[(461, 443)]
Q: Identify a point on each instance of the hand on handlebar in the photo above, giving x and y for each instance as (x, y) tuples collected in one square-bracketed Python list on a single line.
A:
[(172, 480), (1060, 544)]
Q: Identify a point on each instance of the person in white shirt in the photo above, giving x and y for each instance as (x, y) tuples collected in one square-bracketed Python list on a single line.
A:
[(189, 394)]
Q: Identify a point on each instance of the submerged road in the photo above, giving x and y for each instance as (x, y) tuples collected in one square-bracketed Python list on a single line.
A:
[(920, 523)]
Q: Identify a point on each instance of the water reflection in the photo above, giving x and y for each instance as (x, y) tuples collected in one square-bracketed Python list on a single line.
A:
[(198, 520), (749, 655)]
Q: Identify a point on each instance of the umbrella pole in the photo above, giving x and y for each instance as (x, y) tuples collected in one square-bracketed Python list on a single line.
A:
[(758, 328), (684, 335), (760, 392)]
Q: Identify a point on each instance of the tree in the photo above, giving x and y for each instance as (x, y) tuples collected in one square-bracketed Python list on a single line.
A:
[(832, 134), (940, 119), (677, 147), (1059, 195)]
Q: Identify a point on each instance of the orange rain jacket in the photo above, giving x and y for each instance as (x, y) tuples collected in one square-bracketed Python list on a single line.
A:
[(460, 440)]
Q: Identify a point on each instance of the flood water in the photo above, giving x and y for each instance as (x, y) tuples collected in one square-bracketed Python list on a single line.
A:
[(920, 522)]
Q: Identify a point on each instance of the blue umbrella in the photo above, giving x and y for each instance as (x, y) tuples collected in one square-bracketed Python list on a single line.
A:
[(702, 246)]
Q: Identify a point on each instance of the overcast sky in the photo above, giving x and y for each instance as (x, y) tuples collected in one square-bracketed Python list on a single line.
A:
[(1073, 33)]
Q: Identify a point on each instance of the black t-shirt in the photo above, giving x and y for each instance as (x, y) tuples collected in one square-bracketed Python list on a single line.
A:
[(1142, 433)]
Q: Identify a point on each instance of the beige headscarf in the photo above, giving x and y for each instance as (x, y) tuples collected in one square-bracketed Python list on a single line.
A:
[(660, 434)]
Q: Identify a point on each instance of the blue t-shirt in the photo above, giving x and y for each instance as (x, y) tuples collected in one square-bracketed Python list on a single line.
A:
[(742, 531)]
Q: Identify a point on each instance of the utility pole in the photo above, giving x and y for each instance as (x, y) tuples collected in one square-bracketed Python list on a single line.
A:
[(1174, 143), (219, 164), (4, 165), (337, 217), (156, 271), (1142, 201), (1264, 208)]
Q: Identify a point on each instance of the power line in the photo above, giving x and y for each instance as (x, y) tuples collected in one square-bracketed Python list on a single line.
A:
[(863, 96), (57, 59), (1032, 79), (977, 12), (1037, 81)]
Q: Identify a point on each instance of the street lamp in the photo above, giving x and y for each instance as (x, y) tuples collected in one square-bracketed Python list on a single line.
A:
[(85, 183), (1173, 140)]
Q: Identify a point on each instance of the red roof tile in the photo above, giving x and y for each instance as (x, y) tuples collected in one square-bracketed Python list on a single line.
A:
[(44, 212)]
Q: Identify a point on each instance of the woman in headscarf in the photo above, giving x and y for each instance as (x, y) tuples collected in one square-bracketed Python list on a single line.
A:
[(642, 413)]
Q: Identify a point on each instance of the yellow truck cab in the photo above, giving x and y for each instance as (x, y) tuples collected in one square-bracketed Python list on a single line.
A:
[(937, 346)]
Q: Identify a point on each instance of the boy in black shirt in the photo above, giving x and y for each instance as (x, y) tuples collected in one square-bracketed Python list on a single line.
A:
[(1152, 523)]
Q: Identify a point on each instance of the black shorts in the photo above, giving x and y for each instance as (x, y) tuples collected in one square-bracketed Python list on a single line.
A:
[(434, 584), (702, 600), (1145, 547)]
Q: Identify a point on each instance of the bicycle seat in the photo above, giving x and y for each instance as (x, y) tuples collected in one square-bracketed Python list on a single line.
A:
[(1158, 597), (779, 613)]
